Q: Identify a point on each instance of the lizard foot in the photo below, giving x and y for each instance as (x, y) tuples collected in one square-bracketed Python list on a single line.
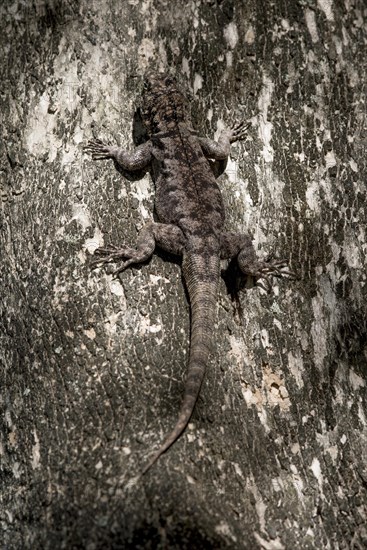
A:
[(111, 253), (98, 149), (272, 268), (238, 131)]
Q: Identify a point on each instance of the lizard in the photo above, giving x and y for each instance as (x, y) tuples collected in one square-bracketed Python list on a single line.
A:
[(190, 219)]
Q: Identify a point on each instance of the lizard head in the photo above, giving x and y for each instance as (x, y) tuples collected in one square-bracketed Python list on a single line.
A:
[(163, 103)]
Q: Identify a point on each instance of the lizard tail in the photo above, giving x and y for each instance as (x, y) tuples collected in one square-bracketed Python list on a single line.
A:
[(201, 275)]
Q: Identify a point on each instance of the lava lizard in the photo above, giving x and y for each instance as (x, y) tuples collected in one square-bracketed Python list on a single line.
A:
[(189, 207)]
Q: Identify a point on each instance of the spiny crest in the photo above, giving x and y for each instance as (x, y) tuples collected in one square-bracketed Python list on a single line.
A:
[(163, 102)]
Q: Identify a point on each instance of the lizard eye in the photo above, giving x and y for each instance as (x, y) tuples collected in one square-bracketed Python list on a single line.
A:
[(146, 85), (169, 80)]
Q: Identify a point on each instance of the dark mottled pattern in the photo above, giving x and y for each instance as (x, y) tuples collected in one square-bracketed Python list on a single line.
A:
[(189, 204)]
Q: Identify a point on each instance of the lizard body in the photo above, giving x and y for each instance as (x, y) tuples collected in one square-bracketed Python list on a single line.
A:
[(189, 206)]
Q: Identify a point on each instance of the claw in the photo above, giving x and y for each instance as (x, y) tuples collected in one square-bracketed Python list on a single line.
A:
[(112, 253), (268, 283), (289, 273), (101, 261), (264, 282), (239, 125), (120, 269), (102, 250), (239, 130), (270, 269), (106, 250), (95, 263), (98, 149), (262, 285)]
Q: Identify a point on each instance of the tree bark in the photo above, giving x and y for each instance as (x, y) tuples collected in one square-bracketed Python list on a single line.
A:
[(93, 369)]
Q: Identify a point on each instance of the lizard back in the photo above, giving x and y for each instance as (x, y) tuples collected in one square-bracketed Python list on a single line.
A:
[(187, 194)]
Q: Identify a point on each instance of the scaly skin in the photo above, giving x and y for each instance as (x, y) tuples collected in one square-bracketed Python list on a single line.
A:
[(189, 205)]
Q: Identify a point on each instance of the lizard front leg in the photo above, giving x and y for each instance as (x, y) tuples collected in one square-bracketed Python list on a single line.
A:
[(240, 246), (168, 237), (219, 150), (137, 159)]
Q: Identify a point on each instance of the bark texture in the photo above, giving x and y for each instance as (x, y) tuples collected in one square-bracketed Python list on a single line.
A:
[(92, 369)]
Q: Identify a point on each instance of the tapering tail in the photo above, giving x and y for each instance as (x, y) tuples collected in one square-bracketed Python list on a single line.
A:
[(201, 274)]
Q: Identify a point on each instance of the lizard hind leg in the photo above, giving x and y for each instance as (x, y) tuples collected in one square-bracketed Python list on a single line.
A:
[(240, 245), (142, 252), (167, 237)]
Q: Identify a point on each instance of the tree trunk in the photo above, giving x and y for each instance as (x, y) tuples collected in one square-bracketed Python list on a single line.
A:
[(93, 368)]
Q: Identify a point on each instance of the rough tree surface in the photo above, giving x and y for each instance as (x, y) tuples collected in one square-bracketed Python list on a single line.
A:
[(92, 369)]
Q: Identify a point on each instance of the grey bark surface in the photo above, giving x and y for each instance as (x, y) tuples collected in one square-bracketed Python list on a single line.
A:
[(92, 369)]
